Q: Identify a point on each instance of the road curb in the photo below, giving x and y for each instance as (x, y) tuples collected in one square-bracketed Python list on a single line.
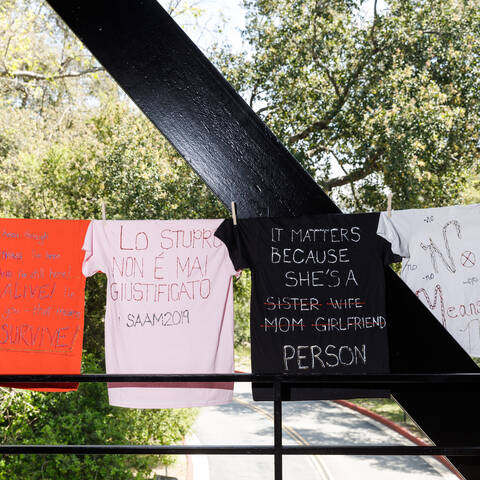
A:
[(197, 465), (189, 474), (397, 428)]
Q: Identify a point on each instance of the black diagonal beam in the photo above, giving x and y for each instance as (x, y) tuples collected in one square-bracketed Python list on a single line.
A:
[(210, 125)]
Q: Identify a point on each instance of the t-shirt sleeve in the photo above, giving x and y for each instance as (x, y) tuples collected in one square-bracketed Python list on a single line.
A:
[(395, 230), (388, 256), (230, 236), (91, 263)]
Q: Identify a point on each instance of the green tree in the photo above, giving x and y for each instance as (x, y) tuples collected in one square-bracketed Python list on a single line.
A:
[(472, 191), (44, 68), (118, 157), (82, 417), (389, 99), (69, 139)]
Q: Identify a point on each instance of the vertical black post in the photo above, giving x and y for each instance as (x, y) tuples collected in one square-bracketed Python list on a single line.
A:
[(277, 426)]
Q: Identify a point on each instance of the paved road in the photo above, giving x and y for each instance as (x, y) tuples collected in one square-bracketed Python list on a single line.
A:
[(326, 423)]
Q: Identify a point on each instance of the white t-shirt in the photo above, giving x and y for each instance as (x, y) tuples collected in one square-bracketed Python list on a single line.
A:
[(441, 251), (169, 307)]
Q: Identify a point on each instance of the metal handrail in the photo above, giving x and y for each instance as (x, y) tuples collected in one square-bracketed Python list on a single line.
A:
[(401, 381), (331, 380)]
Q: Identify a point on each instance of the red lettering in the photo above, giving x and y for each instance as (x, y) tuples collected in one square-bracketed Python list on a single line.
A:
[(206, 235), (156, 267), (121, 240), (166, 238), (137, 241)]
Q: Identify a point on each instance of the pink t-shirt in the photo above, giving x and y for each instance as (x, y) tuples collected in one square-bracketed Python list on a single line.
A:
[(169, 307)]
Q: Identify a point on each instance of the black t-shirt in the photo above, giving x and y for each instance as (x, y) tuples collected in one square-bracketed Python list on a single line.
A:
[(318, 297)]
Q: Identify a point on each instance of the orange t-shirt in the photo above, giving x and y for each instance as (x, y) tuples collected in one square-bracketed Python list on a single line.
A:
[(41, 299)]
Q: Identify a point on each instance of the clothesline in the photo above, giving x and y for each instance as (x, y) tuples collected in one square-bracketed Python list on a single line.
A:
[(317, 307)]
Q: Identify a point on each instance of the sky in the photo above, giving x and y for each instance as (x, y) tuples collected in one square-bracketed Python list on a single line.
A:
[(229, 17), (225, 15)]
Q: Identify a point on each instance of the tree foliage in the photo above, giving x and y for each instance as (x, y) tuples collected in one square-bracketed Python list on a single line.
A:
[(43, 66), (118, 157), (115, 155), (82, 418), (390, 100), (67, 142), (472, 191)]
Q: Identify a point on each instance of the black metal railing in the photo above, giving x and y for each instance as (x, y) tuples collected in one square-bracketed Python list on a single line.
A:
[(416, 382)]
